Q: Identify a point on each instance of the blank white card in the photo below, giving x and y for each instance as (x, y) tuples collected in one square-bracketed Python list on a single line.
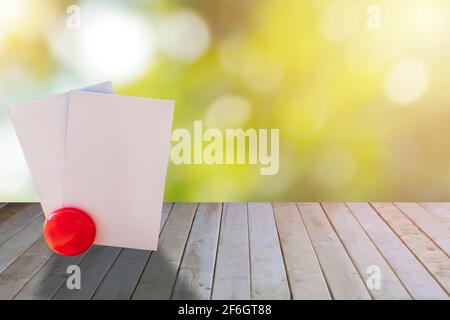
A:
[(41, 128), (117, 150)]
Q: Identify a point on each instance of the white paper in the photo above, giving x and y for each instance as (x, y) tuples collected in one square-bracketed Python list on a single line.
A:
[(41, 129), (117, 151)]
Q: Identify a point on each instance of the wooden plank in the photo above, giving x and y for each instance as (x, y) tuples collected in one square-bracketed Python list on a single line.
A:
[(21, 241), (341, 275), (46, 282), (363, 252), (121, 280), (93, 268), (13, 278), (416, 279), (18, 220), (4, 214), (439, 210), (9, 209), (166, 209), (267, 272), (427, 223), (159, 275), (434, 259), (196, 272), (232, 273), (305, 276), (441, 203)]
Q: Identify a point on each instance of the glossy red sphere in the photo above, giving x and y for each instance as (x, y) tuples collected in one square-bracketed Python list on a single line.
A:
[(69, 231)]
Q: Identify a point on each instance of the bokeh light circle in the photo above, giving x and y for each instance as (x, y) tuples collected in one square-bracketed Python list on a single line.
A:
[(233, 54), (117, 45), (228, 111), (184, 35), (112, 43), (406, 81), (340, 20)]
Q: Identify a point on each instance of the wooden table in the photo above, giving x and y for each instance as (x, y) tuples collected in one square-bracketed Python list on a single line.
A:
[(245, 251)]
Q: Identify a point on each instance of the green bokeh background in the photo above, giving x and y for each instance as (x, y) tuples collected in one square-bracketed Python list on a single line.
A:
[(311, 68)]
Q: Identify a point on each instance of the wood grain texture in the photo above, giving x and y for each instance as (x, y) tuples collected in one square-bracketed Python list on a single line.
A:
[(427, 223), (7, 210), (434, 259), (364, 254), (196, 272), (232, 274), (18, 220), (159, 276), (17, 244), (122, 278), (93, 268), (414, 276), (244, 251), (439, 210), (341, 275), (13, 278), (268, 274), (305, 276), (46, 282)]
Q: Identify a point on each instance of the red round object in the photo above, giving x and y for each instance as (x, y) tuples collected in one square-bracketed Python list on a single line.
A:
[(69, 231)]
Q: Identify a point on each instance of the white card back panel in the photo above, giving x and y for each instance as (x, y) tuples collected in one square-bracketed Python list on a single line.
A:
[(117, 151), (41, 129)]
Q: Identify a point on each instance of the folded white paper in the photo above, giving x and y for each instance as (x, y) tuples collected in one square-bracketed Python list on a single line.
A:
[(41, 128), (117, 150)]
